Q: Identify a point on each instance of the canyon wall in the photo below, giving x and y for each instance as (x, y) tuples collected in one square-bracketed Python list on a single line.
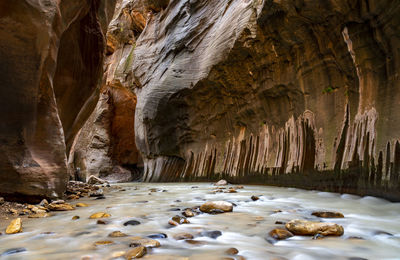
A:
[(105, 146), (286, 92), (51, 56)]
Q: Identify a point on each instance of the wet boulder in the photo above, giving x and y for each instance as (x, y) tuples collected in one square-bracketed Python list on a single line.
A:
[(216, 205), (15, 226), (311, 228)]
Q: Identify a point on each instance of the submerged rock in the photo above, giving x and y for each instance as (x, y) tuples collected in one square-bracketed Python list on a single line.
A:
[(15, 226), (13, 251), (137, 252), (81, 205), (327, 214), (132, 223), (216, 205), (117, 234), (280, 234), (183, 236), (254, 198), (100, 215), (102, 243), (232, 251), (211, 234), (146, 242), (158, 236), (310, 228)]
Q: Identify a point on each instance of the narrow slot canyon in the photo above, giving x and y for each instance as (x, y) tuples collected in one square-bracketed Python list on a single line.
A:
[(191, 129)]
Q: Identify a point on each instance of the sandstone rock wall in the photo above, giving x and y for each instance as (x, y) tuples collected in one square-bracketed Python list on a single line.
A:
[(51, 56), (105, 146), (298, 93)]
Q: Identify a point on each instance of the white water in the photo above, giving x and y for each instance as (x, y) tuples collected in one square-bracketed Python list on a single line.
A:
[(368, 218)]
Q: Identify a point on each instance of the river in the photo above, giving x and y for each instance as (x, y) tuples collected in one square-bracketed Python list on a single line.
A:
[(371, 225)]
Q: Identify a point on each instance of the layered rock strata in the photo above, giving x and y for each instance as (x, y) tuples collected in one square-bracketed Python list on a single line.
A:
[(51, 56), (297, 93)]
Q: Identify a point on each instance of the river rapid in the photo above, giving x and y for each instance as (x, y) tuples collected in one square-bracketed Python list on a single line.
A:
[(371, 225)]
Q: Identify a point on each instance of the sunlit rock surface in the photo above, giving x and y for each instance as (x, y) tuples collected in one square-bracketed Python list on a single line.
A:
[(51, 56), (297, 93)]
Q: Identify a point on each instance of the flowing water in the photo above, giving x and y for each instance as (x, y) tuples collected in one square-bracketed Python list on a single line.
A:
[(372, 225)]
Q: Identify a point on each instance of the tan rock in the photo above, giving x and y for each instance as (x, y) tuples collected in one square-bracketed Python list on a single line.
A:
[(183, 236), (137, 252), (117, 234), (80, 205), (146, 242), (221, 183), (280, 234), (310, 228), (60, 207), (216, 205), (232, 251), (40, 215), (102, 243), (15, 226), (75, 217), (327, 214), (99, 215)]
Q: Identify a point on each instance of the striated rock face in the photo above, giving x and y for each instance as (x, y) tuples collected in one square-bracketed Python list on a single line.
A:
[(297, 93), (51, 56), (105, 146), (107, 140)]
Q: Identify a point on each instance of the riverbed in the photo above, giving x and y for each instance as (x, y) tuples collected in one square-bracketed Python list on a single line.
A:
[(371, 225)]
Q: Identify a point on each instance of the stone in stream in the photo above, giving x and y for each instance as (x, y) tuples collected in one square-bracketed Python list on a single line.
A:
[(311, 228), (99, 215), (173, 223), (183, 236), (137, 252), (221, 183), (180, 220), (60, 206), (232, 251), (81, 205), (280, 234), (72, 197), (189, 213), (157, 236), (216, 205), (102, 243), (117, 234), (195, 242), (102, 197), (13, 251), (327, 214), (40, 215), (132, 223), (254, 198), (102, 222), (146, 242), (75, 217), (15, 226), (211, 234), (280, 222)]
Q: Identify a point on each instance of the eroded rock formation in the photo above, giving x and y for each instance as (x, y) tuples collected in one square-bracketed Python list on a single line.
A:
[(299, 93), (51, 56), (105, 146)]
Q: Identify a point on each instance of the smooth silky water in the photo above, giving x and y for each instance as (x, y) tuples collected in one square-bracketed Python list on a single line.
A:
[(372, 225)]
